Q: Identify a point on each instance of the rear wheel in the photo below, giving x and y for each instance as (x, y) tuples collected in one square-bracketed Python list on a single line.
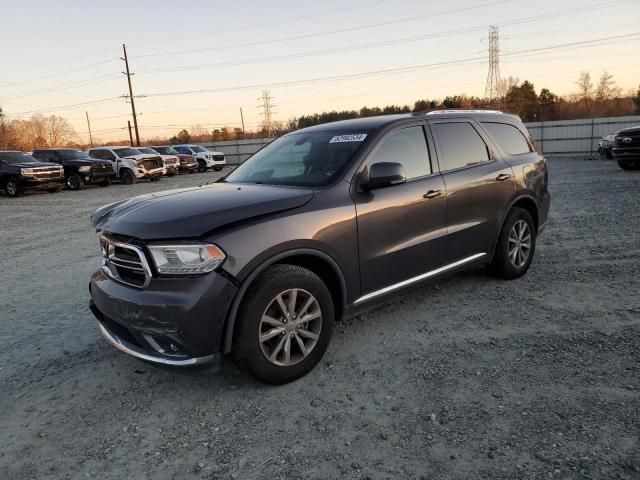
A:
[(74, 182), (284, 324), (516, 245), (12, 187), (127, 177)]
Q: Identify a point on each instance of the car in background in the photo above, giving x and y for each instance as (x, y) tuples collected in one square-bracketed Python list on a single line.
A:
[(79, 168), (605, 146), (206, 158), (20, 172), (129, 164), (626, 148), (316, 224), (188, 163), (171, 162)]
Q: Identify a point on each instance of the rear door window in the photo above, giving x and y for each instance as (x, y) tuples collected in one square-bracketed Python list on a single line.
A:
[(512, 141), (460, 145)]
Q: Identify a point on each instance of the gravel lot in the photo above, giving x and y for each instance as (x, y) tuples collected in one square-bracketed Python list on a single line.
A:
[(469, 377)]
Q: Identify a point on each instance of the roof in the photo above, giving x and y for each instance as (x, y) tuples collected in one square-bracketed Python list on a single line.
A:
[(113, 146), (381, 121)]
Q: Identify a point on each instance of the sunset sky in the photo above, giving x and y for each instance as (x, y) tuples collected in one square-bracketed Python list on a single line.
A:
[(198, 62)]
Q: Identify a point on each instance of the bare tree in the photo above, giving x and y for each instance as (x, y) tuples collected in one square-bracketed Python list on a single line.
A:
[(586, 90), (59, 131), (607, 88)]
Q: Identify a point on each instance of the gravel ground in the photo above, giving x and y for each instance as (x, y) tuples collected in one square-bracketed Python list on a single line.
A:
[(469, 377)]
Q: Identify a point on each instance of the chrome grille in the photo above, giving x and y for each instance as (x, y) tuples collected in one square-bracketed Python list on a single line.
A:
[(101, 168), (152, 163), (45, 173), (218, 158), (124, 262)]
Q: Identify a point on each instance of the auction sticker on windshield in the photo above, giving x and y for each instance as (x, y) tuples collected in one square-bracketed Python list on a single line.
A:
[(359, 137)]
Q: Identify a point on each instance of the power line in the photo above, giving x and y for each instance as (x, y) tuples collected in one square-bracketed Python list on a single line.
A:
[(320, 34)]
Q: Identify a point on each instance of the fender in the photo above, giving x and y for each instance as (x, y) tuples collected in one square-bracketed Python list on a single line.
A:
[(233, 310)]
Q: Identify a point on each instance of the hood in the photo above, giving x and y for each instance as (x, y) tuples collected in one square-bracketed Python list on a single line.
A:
[(79, 162), (627, 131), (194, 212), (34, 164), (142, 156)]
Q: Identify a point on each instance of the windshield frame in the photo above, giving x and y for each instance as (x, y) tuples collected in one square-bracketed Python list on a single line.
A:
[(11, 158), (79, 155), (354, 158), (118, 151)]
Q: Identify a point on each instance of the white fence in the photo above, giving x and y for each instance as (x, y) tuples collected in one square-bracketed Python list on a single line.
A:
[(559, 138), (576, 137)]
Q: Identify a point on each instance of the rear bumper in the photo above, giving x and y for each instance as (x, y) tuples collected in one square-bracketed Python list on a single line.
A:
[(177, 321)]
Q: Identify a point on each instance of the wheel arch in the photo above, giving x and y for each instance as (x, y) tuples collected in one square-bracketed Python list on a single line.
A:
[(525, 201), (316, 261)]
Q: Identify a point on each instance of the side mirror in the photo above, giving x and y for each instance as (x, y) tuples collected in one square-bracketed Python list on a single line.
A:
[(383, 174)]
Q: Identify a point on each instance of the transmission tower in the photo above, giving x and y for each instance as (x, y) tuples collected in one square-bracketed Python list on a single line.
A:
[(493, 89), (267, 111)]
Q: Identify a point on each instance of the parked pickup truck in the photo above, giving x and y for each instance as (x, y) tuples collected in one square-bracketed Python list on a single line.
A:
[(188, 163), (171, 162), (129, 164), (20, 172), (206, 158), (626, 148), (79, 168)]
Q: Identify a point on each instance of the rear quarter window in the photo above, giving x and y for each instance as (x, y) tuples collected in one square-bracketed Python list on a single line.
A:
[(510, 138)]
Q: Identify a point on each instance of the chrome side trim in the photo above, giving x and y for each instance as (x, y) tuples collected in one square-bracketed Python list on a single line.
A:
[(137, 352), (424, 276)]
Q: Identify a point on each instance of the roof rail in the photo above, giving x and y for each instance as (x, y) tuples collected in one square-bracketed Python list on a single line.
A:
[(439, 111)]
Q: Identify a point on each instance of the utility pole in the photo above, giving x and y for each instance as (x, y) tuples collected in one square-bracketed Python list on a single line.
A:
[(89, 127), (133, 105), (3, 132), (267, 111), (494, 82), (244, 134), (130, 135)]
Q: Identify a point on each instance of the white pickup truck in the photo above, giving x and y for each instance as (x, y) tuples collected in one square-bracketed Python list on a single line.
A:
[(129, 164), (206, 158)]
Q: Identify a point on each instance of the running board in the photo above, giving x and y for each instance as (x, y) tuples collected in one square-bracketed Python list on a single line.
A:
[(413, 280)]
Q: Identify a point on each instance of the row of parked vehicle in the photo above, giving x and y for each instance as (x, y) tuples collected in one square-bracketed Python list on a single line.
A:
[(622, 146), (52, 169)]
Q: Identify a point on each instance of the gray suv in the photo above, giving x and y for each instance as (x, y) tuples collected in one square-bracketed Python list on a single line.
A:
[(322, 220)]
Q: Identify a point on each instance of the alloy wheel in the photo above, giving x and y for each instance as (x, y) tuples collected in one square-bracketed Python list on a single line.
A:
[(519, 243), (290, 327), (12, 189)]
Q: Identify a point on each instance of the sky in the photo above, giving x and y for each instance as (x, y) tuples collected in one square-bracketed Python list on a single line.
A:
[(199, 62)]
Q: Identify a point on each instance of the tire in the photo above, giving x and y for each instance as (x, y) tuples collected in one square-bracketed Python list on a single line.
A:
[(105, 183), (628, 165), (202, 166), (12, 187), (261, 302), (217, 169), (505, 264), (73, 182), (127, 177), (154, 179), (53, 190)]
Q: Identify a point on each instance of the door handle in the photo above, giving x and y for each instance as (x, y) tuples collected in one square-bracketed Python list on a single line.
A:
[(432, 194), (502, 177)]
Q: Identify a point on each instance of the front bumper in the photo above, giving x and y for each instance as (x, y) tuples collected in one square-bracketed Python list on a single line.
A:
[(176, 321), (142, 173), (98, 177), (627, 153), (172, 170), (188, 167), (31, 184)]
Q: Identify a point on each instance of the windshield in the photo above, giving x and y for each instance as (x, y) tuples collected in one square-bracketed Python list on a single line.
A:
[(306, 159), (199, 149), (165, 150), (126, 152), (17, 157), (74, 155), (147, 150)]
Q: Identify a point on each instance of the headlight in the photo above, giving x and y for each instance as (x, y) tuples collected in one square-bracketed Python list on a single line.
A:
[(84, 169), (186, 259), (27, 171)]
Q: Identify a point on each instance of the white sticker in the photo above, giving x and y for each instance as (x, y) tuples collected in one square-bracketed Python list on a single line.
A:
[(358, 137)]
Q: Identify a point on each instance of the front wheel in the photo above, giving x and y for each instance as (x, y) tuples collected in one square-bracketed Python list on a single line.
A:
[(284, 324), (127, 177), (217, 169), (105, 183), (202, 166), (516, 245), (74, 182), (628, 165), (12, 187)]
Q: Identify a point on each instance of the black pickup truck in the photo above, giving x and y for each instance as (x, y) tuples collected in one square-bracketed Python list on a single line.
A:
[(20, 172), (79, 168)]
